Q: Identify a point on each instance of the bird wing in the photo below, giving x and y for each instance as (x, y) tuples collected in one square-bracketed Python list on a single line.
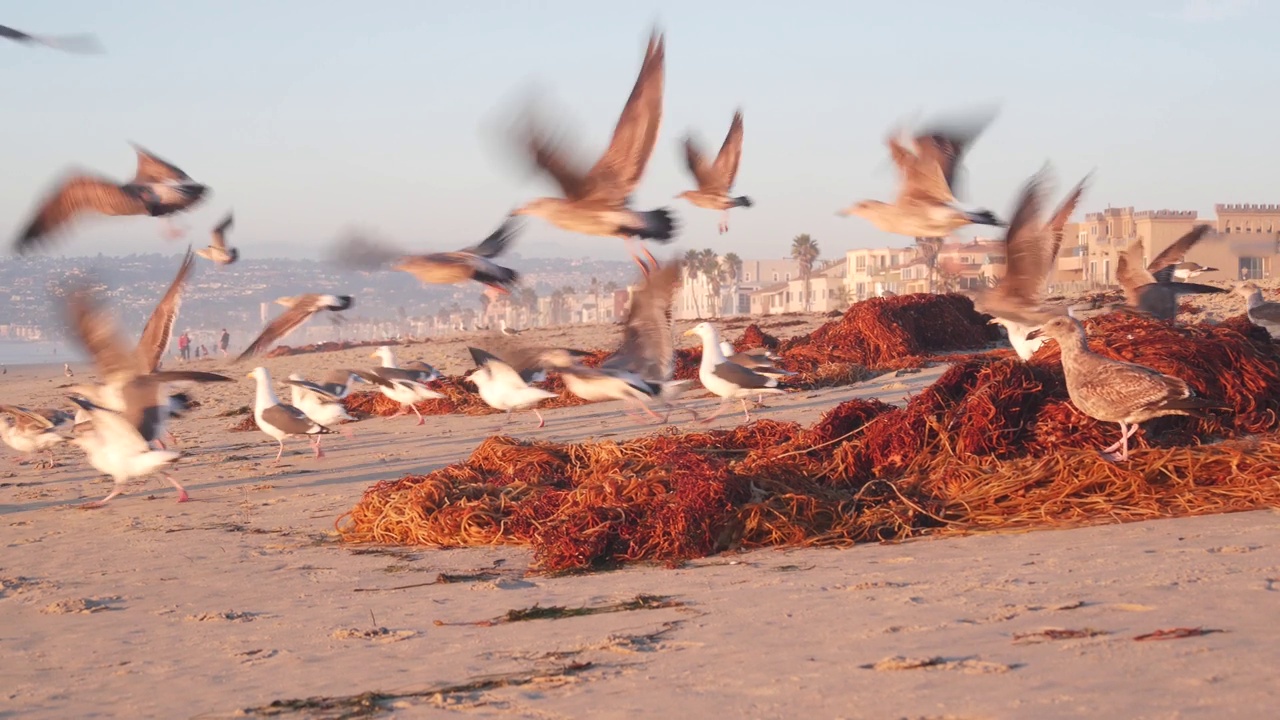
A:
[(945, 145), (219, 238), (552, 158), (742, 377), (95, 330), (1060, 218), (497, 242), (1129, 387), (318, 390), (1131, 274), (289, 419), (726, 166), (1161, 268), (647, 347), (614, 176), (1025, 243), (697, 163), (285, 323), (79, 193), (28, 419), (159, 328), (152, 169)]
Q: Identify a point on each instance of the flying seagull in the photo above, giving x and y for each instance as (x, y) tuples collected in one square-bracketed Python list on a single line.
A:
[(158, 189), (158, 331), (79, 44), (1114, 391), (407, 386), (300, 308), (726, 379), (1265, 315), (1187, 270), (218, 251), (442, 268), (926, 205), (279, 420), (36, 430), (317, 403), (1031, 249), (716, 179), (596, 202), (130, 407), (1152, 290)]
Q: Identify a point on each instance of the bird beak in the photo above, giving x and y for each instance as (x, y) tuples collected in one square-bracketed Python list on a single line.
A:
[(689, 332), (1035, 334), (372, 355), (248, 374)]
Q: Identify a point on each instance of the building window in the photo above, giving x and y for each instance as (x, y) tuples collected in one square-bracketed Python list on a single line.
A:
[(775, 277), (747, 277), (788, 277)]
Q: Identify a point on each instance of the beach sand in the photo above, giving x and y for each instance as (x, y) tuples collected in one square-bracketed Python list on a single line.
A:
[(242, 597)]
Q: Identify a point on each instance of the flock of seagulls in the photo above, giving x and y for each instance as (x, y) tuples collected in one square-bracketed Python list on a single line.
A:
[(121, 420)]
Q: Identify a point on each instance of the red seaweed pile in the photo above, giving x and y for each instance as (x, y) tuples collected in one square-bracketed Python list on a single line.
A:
[(993, 443)]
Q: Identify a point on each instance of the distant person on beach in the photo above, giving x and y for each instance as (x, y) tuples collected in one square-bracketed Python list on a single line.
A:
[(224, 341), (184, 347), (203, 352)]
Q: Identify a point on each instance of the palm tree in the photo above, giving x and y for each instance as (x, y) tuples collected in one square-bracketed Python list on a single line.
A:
[(557, 306), (693, 268), (929, 250), (709, 267), (529, 301), (733, 271), (804, 250)]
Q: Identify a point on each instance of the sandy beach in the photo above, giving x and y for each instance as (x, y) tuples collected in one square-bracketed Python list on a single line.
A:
[(244, 596)]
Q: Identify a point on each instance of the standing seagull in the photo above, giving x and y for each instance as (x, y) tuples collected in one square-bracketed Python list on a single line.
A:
[(34, 431), (1031, 249), (759, 361), (442, 268), (926, 205), (79, 44), (596, 202), (300, 308), (1265, 315), (1152, 290), (218, 250), (279, 420), (66, 370), (407, 386), (726, 379), (318, 404), (716, 179), (158, 189), (1115, 391)]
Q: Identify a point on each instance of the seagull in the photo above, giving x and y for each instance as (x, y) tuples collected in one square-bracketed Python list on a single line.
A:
[(132, 405), (300, 308), (716, 179), (79, 44), (158, 189), (759, 361), (319, 405), (218, 251), (442, 268), (66, 370), (1031, 249), (600, 384), (926, 205), (1115, 391), (36, 430), (503, 387), (726, 379), (1265, 315), (509, 332), (279, 420), (336, 384), (1152, 290), (114, 446), (407, 386), (596, 202), (158, 332)]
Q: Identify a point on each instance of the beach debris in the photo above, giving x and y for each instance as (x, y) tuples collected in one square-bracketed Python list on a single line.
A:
[(556, 612), (1057, 634), (1177, 633)]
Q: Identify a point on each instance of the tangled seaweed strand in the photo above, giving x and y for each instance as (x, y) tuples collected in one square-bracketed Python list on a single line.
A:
[(993, 443)]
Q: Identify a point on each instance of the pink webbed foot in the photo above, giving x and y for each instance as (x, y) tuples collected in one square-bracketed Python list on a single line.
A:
[(184, 497)]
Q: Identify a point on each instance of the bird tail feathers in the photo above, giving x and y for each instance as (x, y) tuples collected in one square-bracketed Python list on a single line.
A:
[(654, 225), (742, 201), (984, 217)]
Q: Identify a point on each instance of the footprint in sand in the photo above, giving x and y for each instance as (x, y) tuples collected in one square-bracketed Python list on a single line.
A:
[(229, 616), (968, 665), (1233, 549), (81, 606), (11, 586)]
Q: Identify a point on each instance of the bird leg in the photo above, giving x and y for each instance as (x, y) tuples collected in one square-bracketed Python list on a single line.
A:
[(645, 269), (653, 261), (723, 404), (160, 444), (724, 222), (645, 407), (404, 410), (541, 421), (99, 503), (170, 229), (744, 409), (172, 439), (315, 446), (280, 451), (421, 419), (508, 420), (347, 432), (1126, 431), (182, 492)]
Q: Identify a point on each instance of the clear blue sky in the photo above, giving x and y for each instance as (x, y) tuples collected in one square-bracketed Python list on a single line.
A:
[(310, 116)]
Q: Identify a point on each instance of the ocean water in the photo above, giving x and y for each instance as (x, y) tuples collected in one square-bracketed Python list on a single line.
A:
[(19, 352)]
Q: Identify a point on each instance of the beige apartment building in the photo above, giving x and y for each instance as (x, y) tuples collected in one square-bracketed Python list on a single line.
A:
[(965, 265), (1244, 242)]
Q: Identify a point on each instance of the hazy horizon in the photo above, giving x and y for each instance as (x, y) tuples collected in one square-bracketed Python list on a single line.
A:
[(309, 119)]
